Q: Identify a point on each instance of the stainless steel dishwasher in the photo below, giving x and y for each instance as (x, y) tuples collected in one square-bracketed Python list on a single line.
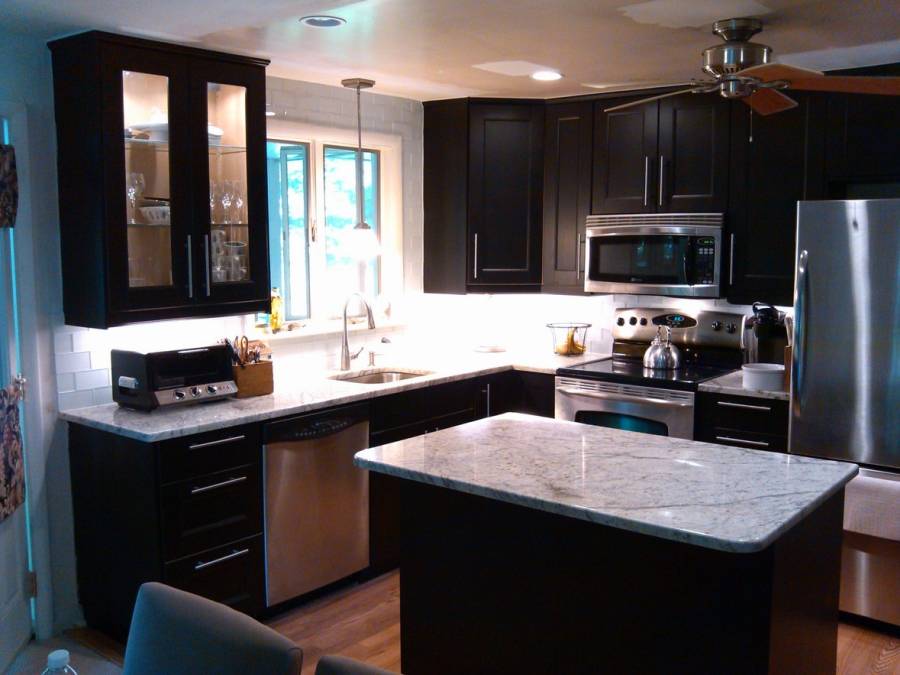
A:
[(317, 501)]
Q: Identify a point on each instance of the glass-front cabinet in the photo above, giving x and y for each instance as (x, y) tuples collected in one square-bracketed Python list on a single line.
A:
[(162, 175)]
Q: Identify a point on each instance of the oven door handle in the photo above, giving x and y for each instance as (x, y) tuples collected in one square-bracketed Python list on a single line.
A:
[(624, 397)]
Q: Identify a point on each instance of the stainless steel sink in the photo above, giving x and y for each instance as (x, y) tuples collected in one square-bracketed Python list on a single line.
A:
[(379, 376)]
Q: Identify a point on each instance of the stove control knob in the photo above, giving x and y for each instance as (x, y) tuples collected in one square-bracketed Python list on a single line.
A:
[(179, 394), (716, 325), (633, 320), (643, 322), (195, 391), (212, 389), (730, 328), (620, 321)]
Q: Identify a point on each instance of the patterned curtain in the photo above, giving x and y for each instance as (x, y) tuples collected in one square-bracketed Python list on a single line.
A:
[(12, 468), (9, 186)]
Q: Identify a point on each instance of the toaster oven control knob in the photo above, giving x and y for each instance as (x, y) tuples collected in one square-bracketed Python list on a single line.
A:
[(730, 328), (195, 391), (620, 321), (716, 325), (633, 320), (212, 389), (179, 394)]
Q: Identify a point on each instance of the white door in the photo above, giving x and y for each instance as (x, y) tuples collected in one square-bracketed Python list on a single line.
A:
[(15, 611)]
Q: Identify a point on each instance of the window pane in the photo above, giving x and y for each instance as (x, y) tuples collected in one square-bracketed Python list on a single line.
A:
[(344, 273), (288, 216)]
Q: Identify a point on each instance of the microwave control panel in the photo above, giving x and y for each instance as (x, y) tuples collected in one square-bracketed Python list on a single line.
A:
[(704, 260)]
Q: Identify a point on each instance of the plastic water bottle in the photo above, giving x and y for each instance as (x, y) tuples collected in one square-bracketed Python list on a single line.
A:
[(58, 663)]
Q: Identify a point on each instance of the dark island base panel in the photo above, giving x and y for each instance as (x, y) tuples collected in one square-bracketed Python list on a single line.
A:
[(490, 587)]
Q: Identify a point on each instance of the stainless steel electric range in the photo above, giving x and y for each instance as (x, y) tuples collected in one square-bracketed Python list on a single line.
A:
[(621, 393)]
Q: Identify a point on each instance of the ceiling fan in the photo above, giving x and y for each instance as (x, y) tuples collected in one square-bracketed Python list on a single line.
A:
[(743, 69)]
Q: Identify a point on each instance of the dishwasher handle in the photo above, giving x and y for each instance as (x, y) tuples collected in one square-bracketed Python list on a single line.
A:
[(315, 426)]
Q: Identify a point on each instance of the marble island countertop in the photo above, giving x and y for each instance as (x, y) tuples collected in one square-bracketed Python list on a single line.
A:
[(733, 384), (303, 391), (715, 496)]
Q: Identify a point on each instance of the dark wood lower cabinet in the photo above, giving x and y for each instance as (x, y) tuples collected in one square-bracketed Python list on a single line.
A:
[(741, 421)]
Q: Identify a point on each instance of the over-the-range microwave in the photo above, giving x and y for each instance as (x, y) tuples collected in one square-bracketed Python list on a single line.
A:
[(678, 254)]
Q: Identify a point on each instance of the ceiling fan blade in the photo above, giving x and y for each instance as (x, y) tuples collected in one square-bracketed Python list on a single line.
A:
[(769, 101), (812, 80), (648, 99)]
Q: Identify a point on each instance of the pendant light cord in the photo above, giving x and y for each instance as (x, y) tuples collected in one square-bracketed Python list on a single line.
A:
[(360, 223)]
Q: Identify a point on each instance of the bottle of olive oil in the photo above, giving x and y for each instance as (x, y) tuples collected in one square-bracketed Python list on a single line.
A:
[(276, 317)]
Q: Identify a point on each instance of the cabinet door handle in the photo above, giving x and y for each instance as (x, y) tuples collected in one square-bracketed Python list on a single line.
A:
[(662, 180), (578, 257), (744, 406), (731, 260), (215, 486), (190, 266), (646, 178), (475, 259), (730, 439), (221, 441), (231, 556), (487, 395), (206, 250)]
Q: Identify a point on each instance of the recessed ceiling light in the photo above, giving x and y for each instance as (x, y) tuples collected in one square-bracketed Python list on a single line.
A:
[(323, 21), (546, 75)]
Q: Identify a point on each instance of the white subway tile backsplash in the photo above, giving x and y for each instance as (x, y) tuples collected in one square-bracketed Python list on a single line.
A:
[(75, 399), (65, 382), (73, 362), (102, 395), (62, 343), (91, 379)]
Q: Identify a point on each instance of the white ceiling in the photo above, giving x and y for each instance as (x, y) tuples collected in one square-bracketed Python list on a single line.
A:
[(428, 49)]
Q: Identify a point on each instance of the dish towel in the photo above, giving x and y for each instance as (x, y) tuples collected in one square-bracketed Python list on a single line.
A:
[(12, 468), (9, 186)]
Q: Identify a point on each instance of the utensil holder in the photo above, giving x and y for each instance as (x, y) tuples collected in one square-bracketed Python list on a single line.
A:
[(254, 379)]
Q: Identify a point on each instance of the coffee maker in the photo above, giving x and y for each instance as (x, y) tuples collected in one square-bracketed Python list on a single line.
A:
[(763, 334)]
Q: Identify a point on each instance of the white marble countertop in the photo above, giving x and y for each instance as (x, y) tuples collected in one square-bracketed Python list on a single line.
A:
[(715, 496), (733, 384), (306, 391)]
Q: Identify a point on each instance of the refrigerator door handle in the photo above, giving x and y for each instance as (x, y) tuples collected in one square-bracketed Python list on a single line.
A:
[(800, 322)]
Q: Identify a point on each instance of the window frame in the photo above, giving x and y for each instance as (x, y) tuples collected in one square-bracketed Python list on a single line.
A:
[(390, 206)]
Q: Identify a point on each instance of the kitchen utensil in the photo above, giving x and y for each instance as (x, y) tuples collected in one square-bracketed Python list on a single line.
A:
[(763, 376), (662, 354), (569, 339)]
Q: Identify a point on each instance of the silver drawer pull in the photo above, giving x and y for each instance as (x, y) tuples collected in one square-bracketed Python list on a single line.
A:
[(729, 439), (216, 486), (230, 556), (221, 441), (744, 406)]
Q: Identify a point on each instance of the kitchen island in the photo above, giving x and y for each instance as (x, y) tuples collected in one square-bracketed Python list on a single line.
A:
[(533, 545)]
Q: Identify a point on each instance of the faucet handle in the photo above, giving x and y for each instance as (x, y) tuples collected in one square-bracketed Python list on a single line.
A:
[(358, 352)]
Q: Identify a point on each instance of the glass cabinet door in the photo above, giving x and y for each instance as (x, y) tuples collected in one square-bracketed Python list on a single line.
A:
[(229, 237), (147, 184)]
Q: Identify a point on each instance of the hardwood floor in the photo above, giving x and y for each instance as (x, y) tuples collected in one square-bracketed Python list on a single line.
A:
[(364, 622)]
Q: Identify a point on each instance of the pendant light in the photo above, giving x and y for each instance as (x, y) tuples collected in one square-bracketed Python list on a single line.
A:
[(363, 241)]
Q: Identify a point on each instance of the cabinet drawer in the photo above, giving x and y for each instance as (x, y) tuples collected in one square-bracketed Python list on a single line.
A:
[(745, 413), (232, 575), (745, 439), (201, 454), (202, 513)]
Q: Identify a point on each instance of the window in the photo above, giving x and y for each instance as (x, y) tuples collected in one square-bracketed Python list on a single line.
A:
[(313, 182)]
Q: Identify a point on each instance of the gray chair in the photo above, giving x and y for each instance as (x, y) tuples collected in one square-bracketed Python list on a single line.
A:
[(341, 665), (179, 633)]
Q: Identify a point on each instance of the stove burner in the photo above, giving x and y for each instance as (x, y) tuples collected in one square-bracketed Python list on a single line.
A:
[(629, 370)]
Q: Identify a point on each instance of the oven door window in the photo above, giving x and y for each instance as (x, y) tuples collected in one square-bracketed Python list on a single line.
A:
[(643, 259), (621, 421)]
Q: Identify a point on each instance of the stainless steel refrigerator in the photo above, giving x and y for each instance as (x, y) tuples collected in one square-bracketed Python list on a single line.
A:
[(845, 381)]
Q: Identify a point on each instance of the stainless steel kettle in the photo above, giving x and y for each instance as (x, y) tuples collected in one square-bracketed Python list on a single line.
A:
[(662, 354)]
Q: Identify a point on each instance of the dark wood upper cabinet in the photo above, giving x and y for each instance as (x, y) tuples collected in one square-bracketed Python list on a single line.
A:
[(567, 194), (692, 164), (863, 143), (663, 156), (625, 143), (162, 180), (776, 161), (483, 203)]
